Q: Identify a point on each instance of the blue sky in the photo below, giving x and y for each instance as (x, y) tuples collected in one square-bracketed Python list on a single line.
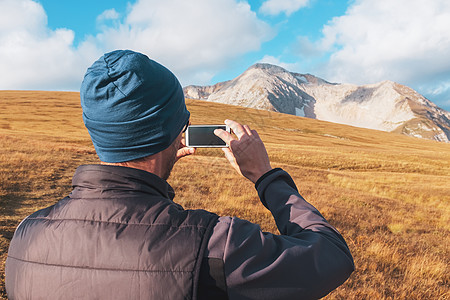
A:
[(48, 44)]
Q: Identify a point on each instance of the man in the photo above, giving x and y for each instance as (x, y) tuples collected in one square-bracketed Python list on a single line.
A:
[(119, 235)]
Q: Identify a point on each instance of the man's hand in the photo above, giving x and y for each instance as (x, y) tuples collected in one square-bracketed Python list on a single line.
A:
[(183, 150), (247, 154)]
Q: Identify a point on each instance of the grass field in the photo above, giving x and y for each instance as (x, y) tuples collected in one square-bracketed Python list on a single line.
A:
[(389, 195)]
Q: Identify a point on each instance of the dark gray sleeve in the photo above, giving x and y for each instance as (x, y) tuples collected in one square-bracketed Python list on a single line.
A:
[(308, 260)]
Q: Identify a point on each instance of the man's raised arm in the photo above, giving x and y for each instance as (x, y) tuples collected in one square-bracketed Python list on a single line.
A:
[(306, 261)]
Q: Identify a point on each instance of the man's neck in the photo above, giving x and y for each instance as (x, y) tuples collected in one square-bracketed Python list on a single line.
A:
[(152, 164)]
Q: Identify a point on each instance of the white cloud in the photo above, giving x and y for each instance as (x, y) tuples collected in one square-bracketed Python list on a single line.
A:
[(109, 14), (33, 56), (309, 49), (292, 67), (438, 92), (404, 40), (195, 39), (275, 7), (26, 15)]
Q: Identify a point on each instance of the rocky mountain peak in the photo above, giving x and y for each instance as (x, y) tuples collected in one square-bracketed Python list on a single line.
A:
[(268, 68), (386, 105)]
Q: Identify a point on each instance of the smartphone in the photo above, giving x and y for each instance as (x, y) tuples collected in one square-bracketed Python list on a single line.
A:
[(202, 136)]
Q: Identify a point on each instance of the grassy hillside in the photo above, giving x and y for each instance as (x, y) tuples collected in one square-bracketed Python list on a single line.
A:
[(389, 195)]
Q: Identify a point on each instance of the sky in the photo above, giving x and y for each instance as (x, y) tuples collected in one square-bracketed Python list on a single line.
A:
[(49, 44)]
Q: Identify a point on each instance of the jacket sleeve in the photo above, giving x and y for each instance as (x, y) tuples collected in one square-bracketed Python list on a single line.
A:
[(306, 261)]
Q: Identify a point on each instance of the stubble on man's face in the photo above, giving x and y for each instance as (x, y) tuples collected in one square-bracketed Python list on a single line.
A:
[(170, 164), (172, 157)]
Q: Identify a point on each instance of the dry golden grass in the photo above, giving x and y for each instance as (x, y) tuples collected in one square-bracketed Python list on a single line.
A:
[(388, 194)]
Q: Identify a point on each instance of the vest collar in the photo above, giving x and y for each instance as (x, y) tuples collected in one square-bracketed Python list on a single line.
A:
[(108, 178)]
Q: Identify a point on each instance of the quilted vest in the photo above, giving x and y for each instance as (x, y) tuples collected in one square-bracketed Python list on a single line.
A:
[(117, 236)]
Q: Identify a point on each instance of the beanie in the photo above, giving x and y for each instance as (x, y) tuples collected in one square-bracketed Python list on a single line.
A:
[(132, 106)]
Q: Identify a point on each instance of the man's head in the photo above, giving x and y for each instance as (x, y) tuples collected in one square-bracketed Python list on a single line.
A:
[(133, 107)]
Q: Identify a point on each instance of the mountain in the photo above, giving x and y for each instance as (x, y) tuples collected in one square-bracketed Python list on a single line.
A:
[(386, 106)]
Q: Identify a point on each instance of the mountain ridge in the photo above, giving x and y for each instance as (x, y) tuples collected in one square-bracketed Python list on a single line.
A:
[(386, 106)]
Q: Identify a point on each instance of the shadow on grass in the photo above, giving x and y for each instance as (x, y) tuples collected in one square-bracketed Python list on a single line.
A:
[(9, 220), (9, 217)]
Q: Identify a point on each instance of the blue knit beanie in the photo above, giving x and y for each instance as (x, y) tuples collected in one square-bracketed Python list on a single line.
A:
[(132, 106)]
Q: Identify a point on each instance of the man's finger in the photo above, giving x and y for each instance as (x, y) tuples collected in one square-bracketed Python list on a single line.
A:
[(183, 143), (225, 136), (182, 152), (255, 133), (237, 128), (230, 157), (248, 130)]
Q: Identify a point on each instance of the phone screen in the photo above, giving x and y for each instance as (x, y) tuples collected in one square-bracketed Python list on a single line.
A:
[(203, 136)]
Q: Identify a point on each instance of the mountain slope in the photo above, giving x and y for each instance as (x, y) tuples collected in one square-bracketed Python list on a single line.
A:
[(386, 106)]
